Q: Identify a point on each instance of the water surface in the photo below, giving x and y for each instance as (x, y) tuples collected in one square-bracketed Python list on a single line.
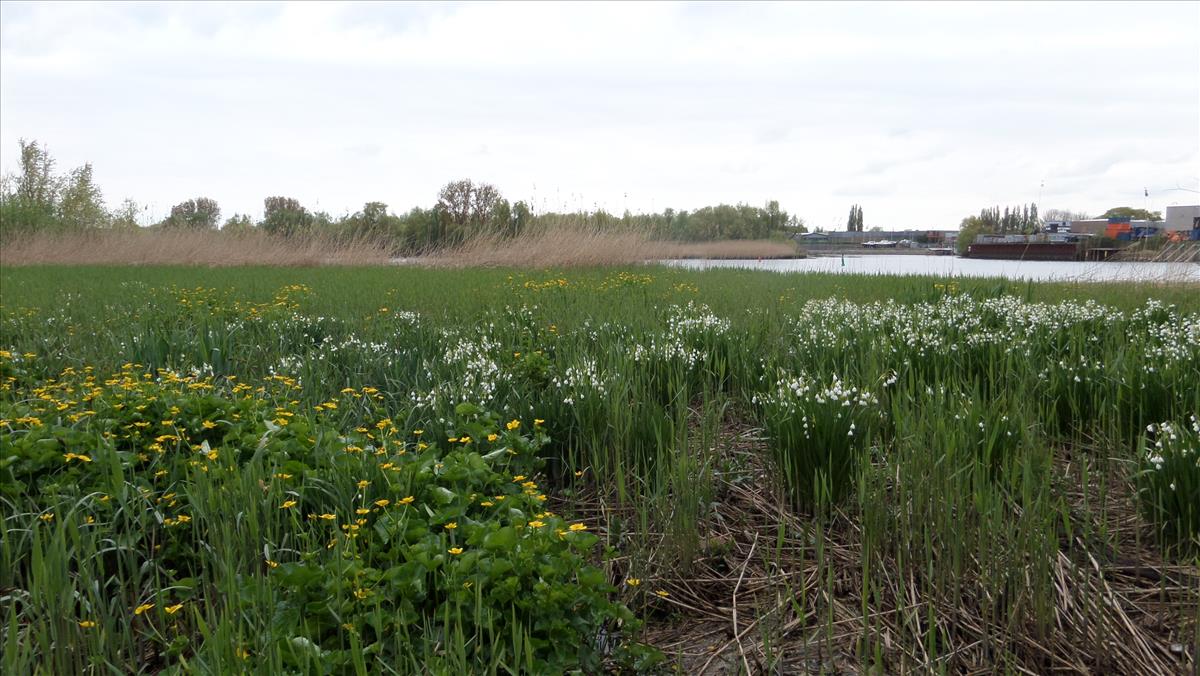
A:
[(953, 266)]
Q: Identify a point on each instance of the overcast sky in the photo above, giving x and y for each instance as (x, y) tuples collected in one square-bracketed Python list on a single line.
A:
[(922, 113)]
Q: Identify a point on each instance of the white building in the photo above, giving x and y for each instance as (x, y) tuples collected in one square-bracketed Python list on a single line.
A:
[(1181, 218)]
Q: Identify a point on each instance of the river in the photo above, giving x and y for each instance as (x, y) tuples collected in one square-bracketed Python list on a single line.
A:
[(952, 266)]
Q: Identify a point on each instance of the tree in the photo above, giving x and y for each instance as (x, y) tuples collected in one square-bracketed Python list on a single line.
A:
[(201, 213), (463, 202), (970, 228), (127, 216), (29, 198), (501, 215), (521, 216), (284, 216), (1132, 214), (373, 221), (36, 184), (238, 224), (1065, 215), (777, 219), (80, 205), (855, 222)]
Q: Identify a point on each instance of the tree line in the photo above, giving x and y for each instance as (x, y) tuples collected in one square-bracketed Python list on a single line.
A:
[(1023, 219), (38, 199)]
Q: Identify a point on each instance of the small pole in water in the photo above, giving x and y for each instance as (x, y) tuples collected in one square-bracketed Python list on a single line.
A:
[(843, 260)]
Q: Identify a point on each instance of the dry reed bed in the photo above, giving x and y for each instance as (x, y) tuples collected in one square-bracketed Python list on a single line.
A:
[(554, 247), (579, 247), (210, 249)]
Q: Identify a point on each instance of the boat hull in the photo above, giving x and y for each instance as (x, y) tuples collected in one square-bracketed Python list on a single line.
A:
[(1026, 251)]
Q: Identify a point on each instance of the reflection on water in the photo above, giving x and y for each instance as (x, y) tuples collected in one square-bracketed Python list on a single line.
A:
[(952, 266)]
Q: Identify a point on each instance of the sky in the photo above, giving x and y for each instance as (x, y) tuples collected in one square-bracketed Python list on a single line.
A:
[(921, 113)]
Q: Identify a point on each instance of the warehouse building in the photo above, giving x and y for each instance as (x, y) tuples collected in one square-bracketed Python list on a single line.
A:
[(1182, 218)]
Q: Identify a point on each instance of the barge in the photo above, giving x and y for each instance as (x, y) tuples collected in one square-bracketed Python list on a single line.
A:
[(1026, 248)]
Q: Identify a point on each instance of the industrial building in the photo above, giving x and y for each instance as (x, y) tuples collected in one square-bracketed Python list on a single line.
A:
[(1182, 218)]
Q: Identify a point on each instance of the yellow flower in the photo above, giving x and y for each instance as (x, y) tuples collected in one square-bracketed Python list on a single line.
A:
[(171, 610), (452, 439), (406, 501), (328, 517), (579, 473), (142, 608), (361, 594), (486, 503), (465, 440), (362, 510), (518, 478), (455, 550), (537, 421), (576, 527), (633, 581), (452, 525), (513, 424), (47, 517), (87, 624), (363, 484), (282, 475), (493, 437), (536, 524), (272, 564), (288, 504), (208, 425), (661, 593), (383, 502), (417, 433)]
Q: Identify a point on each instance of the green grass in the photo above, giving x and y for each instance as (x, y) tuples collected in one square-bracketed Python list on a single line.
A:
[(133, 397)]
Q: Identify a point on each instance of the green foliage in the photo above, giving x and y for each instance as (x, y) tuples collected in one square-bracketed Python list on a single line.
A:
[(1021, 219), (201, 213), (37, 200), (855, 222), (371, 542), (1132, 214), (819, 433), (80, 204), (1169, 481), (238, 224), (970, 228), (285, 216), (974, 403)]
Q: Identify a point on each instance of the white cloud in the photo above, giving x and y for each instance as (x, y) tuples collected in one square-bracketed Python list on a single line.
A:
[(920, 112)]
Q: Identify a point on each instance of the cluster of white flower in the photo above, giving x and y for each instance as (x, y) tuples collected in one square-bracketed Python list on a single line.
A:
[(690, 331), (1007, 325), (467, 371), (580, 381), (798, 393), (1166, 438)]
